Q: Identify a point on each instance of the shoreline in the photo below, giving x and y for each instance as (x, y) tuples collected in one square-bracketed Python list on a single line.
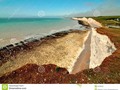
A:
[(81, 62), (28, 44), (35, 45)]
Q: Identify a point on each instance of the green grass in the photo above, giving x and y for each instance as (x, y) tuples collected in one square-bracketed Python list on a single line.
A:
[(108, 20), (57, 69)]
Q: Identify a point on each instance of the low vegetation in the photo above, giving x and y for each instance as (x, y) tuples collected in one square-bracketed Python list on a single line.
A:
[(108, 20)]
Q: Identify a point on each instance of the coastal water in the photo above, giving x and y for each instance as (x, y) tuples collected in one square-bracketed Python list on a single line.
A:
[(16, 29)]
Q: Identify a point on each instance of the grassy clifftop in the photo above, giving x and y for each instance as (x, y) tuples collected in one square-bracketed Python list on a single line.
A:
[(108, 20)]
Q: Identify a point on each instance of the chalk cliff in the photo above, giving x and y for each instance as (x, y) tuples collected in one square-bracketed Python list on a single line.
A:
[(101, 47)]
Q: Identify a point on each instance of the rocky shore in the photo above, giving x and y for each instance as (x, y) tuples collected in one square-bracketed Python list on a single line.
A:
[(11, 50), (52, 49), (107, 72)]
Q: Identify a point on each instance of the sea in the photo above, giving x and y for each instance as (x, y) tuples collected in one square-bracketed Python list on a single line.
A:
[(13, 30)]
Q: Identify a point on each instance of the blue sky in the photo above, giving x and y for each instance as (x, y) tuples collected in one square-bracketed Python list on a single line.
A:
[(38, 8)]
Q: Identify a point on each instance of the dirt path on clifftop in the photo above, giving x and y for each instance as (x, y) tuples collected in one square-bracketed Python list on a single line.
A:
[(84, 58)]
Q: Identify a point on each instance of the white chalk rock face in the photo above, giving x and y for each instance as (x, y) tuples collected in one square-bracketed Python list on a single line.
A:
[(93, 23), (101, 47)]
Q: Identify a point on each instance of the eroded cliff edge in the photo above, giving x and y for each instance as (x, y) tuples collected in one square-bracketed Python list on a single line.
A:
[(101, 47), (86, 76)]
